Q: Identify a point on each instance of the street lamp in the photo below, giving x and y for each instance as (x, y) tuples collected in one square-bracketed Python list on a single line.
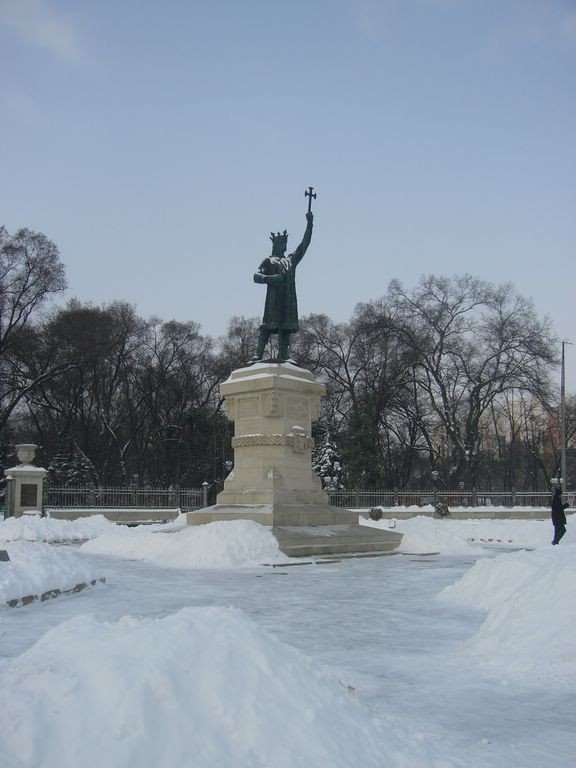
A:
[(563, 418), (205, 487), (435, 475)]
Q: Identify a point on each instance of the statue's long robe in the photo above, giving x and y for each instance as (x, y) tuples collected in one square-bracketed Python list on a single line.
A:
[(281, 307)]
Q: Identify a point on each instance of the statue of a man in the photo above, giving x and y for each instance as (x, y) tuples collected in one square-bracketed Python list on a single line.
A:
[(278, 273)]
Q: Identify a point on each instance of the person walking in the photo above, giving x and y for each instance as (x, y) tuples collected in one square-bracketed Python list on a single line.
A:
[(558, 516)]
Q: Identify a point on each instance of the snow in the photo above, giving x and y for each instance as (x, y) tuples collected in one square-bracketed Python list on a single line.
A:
[(37, 568), (27, 468), (258, 371), (206, 684), (455, 537), (193, 655), (32, 528), (531, 612), (222, 544)]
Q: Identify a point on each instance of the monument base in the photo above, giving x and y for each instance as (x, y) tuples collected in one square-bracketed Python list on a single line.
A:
[(306, 531), (272, 406), (319, 540)]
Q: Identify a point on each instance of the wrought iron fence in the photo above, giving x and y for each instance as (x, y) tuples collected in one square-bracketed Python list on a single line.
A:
[(364, 499), (123, 498), (196, 498)]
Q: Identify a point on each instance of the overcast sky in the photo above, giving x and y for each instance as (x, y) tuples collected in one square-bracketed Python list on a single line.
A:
[(158, 143)]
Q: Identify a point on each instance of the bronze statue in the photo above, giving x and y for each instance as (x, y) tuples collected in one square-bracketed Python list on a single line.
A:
[(278, 273)]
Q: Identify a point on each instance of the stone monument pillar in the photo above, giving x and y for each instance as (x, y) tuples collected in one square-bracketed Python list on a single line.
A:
[(27, 482), (272, 406)]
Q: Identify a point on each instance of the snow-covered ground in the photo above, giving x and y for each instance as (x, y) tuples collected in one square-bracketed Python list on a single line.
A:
[(32, 528), (34, 569), (193, 655), (456, 537)]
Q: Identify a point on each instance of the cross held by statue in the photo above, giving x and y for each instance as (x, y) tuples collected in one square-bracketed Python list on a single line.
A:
[(310, 194)]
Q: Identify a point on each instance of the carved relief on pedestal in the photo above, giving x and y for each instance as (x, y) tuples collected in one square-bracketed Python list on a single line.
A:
[(299, 443), (245, 441), (298, 440), (271, 403)]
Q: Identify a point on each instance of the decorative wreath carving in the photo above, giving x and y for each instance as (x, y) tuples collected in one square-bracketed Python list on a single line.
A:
[(298, 442)]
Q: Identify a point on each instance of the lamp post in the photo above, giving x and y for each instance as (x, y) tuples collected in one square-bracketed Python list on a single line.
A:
[(563, 418), (205, 486), (435, 475)]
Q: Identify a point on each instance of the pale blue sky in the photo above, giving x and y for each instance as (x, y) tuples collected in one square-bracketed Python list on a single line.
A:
[(158, 143)]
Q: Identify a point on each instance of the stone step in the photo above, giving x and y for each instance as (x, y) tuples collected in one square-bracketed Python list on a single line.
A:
[(307, 541)]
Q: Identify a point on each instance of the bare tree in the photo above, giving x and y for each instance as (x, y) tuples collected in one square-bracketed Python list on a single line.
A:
[(87, 402), (474, 341), (239, 344), (142, 399), (30, 273), (368, 378)]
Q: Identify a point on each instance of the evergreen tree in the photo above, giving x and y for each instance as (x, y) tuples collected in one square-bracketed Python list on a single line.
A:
[(70, 466), (327, 462)]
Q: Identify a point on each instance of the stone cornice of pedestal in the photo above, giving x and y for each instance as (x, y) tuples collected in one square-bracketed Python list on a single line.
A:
[(261, 376), (25, 469)]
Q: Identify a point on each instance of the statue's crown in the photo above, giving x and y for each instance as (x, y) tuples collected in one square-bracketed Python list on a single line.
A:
[(279, 241)]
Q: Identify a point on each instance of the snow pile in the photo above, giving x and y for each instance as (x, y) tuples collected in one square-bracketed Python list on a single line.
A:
[(457, 537), (203, 687), (37, 568), (426, 534), (32, 528), (222, 544), (472, 511), (530, 628), (518, 533)]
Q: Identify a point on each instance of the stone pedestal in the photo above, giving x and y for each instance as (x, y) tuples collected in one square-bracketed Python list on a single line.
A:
[(27, 482), (272, 406)]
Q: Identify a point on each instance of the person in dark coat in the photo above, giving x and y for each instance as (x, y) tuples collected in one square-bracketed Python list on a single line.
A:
[(558, 516), (278, 273)]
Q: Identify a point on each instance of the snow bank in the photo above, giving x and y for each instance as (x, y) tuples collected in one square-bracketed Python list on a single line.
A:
[(203, 687), (37, 568), (32, 528), (457, 537), (426, 534), (530, 628), (222, 544)]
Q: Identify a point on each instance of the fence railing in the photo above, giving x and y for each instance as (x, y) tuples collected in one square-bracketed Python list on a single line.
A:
[(196, 498), (123, 498), (364, 499)]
